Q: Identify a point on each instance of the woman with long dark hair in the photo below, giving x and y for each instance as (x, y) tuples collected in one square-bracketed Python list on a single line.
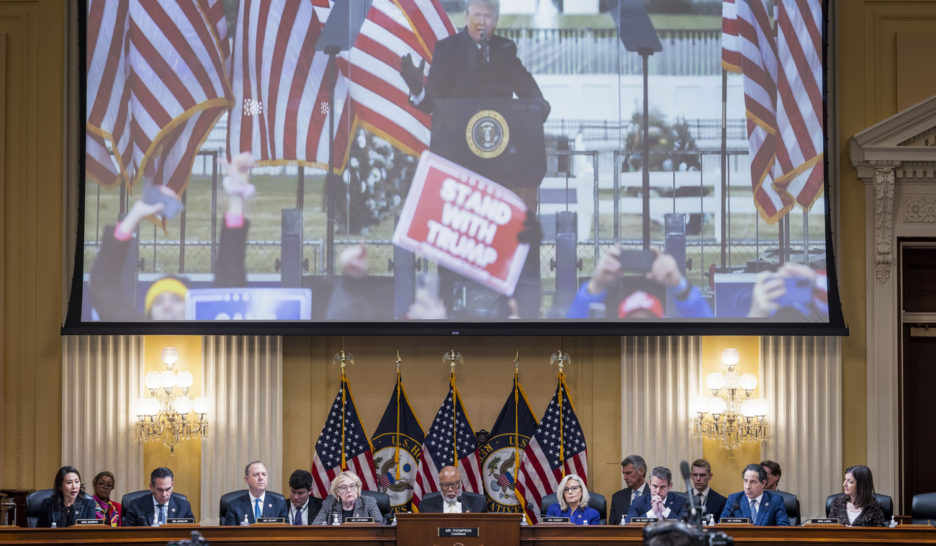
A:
[(67, 502), (858, 507)]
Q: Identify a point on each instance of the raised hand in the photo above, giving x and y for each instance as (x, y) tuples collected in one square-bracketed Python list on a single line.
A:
[(412, 75)]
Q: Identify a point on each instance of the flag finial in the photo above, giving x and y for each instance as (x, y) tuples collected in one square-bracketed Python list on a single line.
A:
[(343, 358), (560, 358), (517, 361), (399, 360), (453, 357)]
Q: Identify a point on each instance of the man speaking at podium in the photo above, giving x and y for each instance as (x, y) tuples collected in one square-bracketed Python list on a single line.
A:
[(476, 64)]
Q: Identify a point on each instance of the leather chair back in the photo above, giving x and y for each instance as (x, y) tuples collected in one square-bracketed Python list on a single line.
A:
[(383, 503), (33, 502), (886, 502), (134, 495), (923, 508), (791, 505), (226, 502), (595, 500)]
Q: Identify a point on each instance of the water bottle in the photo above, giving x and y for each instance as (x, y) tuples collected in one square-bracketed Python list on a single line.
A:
[(394, 520), (336, 519), (623, 520), (246, 521), (893, 522), (54, 525)]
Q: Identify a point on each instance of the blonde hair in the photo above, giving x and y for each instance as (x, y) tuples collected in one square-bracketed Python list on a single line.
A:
[(560, 492), (342, 476)]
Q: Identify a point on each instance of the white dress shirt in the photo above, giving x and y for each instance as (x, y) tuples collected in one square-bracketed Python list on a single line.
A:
[(451, 507)]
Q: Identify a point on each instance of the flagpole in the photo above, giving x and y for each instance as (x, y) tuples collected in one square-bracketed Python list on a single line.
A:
[(560, 358), (452, 357), (343, 358), (396, 450), (516, 414)]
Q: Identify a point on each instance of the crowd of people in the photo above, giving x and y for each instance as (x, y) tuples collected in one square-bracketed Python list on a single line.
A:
[(759, 502)]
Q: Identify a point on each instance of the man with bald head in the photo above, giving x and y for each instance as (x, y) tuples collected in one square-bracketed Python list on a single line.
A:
[(452, 499)]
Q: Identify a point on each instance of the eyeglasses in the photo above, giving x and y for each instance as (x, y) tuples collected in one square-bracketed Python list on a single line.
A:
[(450, 485), (346, 487), (572, 488)]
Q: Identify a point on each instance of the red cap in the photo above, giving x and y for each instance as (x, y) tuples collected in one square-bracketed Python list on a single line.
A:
[(640, 300)]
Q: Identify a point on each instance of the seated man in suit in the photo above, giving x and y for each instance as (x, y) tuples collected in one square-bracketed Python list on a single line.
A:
[(711, 502), (255, 503), (658, 503), (453, 500), (154, 510), (773, 474), (762, 507), (302, 506), (634, 469)]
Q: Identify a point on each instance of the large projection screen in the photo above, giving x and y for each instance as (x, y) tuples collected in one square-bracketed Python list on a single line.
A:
[(595, 167)]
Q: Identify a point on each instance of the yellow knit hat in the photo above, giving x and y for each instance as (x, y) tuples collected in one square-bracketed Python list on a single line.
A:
[(166, 284)]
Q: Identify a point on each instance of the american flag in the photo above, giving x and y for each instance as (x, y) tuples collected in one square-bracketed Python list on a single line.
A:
[(731, 52), (342, 445), (557, 448), (782, 69), (378, 94), (156, 85), (281, 96), (451, 442)]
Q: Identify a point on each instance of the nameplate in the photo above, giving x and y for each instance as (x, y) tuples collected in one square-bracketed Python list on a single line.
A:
[(268, 520), (555, 519), (180, 521), (735, 521), (460, 531), (643, 520), (822, 521), (359, 519), (89, 521)]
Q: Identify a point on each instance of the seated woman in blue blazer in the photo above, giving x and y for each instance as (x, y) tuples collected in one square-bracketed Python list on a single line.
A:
[(573, 502), (67, 502)]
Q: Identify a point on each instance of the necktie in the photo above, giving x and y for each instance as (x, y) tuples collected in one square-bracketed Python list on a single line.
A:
[(753, 510), (701, 500), (162, 514), (298, 519), (257, 510)]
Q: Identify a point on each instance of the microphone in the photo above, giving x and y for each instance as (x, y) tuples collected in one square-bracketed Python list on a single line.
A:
[(695, 514), (485, 47), (735, 507)]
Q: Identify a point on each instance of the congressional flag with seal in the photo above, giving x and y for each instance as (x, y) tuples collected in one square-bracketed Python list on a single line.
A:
[(397, 446), (451, 442), (557, 448), (342, 445), (500, 456)]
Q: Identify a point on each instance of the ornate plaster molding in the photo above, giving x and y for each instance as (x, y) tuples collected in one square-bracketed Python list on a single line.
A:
[(883, 222), (919, 209)]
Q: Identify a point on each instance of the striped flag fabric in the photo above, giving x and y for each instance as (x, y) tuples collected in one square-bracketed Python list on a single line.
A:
[(799, 100), (557, 448), (156, 85), (731, 52), (451, 442), (342, 445), (782, 67), (281, 96), (501, 454), (397, 445)]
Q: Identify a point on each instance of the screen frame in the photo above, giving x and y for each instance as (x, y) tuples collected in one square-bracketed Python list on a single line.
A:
[(835, 326)]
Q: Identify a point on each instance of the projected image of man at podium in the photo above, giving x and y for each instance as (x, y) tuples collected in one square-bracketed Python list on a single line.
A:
[(476, 64)]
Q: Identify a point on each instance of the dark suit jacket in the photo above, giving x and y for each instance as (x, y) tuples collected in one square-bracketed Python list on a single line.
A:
[(274, 506), (139, 513), (620, 504), (315, 504), (471, 502), (770, 512), (870, 516), (459, 71), (714, 504), (677, 504), (50, 511)]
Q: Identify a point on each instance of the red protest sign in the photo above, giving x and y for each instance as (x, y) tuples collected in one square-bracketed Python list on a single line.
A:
[(465, 222)]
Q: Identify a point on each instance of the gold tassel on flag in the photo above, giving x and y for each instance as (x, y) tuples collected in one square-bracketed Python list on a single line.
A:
[(343, 359)]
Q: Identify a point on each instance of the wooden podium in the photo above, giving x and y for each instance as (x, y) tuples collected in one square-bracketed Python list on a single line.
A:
[(488, 529)]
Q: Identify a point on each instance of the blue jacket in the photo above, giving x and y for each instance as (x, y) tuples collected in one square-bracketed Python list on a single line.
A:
[(677, 504), (583, 515), (139, 513), (274, 506), (770, 512)]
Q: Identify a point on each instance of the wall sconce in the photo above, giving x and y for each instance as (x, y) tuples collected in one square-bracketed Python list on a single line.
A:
[(730, 415), (168, 414)]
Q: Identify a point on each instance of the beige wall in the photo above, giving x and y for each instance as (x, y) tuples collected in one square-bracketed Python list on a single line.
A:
[(884, 64)]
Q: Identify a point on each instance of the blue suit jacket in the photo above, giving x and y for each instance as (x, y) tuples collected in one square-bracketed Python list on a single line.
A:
[(584, 515), (140, 512), (677, 504), (274, 506), (770, 512)]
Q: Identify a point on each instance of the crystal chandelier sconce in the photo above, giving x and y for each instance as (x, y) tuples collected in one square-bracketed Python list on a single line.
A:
[(730, 415), (168, 414)]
